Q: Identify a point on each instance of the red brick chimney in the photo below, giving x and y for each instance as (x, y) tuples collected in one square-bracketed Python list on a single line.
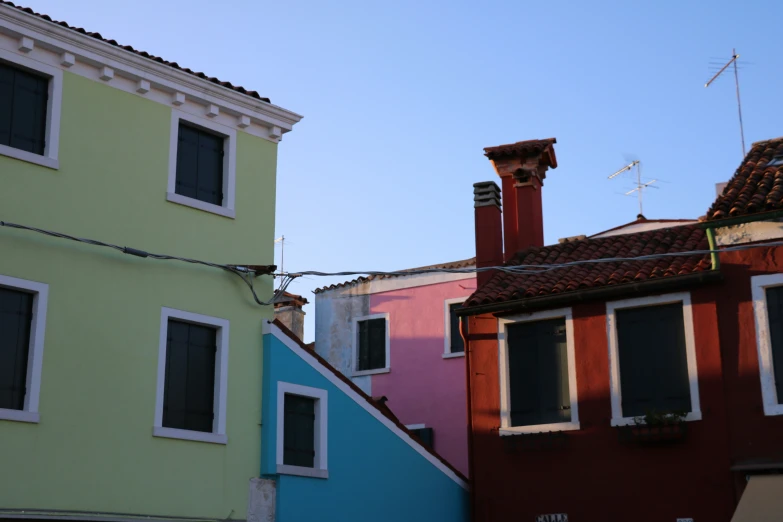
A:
[(522, 168), (489, 230)]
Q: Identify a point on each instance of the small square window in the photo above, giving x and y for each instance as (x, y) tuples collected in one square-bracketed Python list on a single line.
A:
[(302, 423), (371, 344), (425, 435)]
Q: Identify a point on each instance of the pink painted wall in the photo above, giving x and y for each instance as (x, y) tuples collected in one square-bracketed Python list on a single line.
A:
[(422, 386)]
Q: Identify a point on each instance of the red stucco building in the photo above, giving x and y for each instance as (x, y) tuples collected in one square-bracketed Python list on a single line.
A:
[(630, 388)]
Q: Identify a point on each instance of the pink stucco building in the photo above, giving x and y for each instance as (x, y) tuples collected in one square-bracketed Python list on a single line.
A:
[(393, 337)]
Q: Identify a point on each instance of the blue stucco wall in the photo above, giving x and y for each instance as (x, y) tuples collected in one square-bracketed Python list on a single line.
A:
[(373, 473)]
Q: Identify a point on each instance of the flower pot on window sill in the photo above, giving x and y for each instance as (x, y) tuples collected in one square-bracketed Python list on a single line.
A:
[(653, 434)]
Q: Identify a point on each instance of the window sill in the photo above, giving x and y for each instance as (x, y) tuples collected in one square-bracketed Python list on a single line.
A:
[(540, 428), (453, 355), (200, 205), (360, 373), (301, 471), (20, 415), (198, 436), (631, 421), (29, 157)]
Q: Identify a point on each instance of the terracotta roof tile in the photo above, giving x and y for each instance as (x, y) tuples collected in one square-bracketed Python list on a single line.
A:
[(755, 186), (513, 149), (175, 65), (511, 287)]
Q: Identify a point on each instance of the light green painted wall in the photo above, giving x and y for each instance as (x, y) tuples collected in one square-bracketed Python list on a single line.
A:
[(93, 449)]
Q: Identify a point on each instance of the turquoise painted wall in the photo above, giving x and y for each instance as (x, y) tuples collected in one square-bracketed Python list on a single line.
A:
[(373, 474), (93, 449)]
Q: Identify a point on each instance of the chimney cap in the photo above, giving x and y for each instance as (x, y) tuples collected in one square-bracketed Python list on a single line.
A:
[(525, 148), (288, 299), (486, 194)]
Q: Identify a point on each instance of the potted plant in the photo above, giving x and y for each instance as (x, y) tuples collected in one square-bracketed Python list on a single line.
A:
[(656, 426)]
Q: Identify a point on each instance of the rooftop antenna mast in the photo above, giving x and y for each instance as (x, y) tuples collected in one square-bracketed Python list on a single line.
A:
[(640, 185), (733, 62), (281, 240)]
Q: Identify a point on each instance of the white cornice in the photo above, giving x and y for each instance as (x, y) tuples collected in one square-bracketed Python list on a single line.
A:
[(163, 79)]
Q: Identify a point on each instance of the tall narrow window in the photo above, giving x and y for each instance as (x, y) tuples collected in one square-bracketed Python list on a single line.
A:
[(16, 314), (200, 164), (189, 397), (538, 373), (455, 338), (371, 352), (299, 431), (775, 315), (23, 102), (653, 360)]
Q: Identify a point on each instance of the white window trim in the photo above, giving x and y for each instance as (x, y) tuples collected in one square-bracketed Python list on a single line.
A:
[(614, 362), (320, 468), (769, 394), (505, 385), (229, 164), (40, 293), (218, 435), (447, 353), (355, 350), (415, 426), (53, 111)]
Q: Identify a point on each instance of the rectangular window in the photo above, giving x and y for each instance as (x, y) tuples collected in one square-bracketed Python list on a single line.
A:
[(299, 431), (24, 97), (200, 165), (16, 316), (453, 345), (372, 341), (426, 435), (189, 396), (767, 292), (653, 363), (652, 358), (537, 373), (775, 314)]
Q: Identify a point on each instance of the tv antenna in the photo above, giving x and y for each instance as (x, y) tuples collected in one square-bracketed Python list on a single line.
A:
[(281, 240), (640, 185), (732, 62)]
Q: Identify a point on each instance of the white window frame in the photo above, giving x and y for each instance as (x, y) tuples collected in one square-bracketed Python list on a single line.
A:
[(614, 361), (218, 435), (505, 378), (355, 350), (415, 426), (35, 352), (229, 164), (320, 467), (447, 353), (50, 156), (769, 394)]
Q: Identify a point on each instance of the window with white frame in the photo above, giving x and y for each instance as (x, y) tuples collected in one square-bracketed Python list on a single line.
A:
[(426, 435), (652, 358), (453, 345), (537, 373), (192, 377), (767, 293), (22, 327), (371, 344), (202, 164), (30, 101), (302, 421)]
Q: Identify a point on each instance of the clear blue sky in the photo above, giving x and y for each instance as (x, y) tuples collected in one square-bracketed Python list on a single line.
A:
[(399, 99)]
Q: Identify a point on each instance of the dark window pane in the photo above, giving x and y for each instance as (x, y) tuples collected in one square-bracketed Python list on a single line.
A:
[(372, 344), (200, 165), (189, 391), (16, 314), (23, 100), (538, 373), (299, 431), (457, 346), (426, 435), (653, 362), (775, 313)]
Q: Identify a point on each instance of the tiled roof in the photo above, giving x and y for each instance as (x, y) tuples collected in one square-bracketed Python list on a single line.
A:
[(175, 65), (465, 263), (513, 149), (510, 287), (755, 187), (385, 411)]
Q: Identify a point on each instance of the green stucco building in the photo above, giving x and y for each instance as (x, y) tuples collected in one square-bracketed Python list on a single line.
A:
[(129, 386)]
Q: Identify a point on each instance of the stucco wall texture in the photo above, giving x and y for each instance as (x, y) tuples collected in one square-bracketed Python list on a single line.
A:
[(93, 449)]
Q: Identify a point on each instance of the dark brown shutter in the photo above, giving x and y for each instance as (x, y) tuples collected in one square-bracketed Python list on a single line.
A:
[(653, 360), (457, 346), (775, 313), (299, 431), (189, 390), (538, 373), (200, 165), (371, 354), (16, 313), (23, 101)]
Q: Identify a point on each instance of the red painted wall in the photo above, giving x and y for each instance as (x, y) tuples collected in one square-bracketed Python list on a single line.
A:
[(595, 477)]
